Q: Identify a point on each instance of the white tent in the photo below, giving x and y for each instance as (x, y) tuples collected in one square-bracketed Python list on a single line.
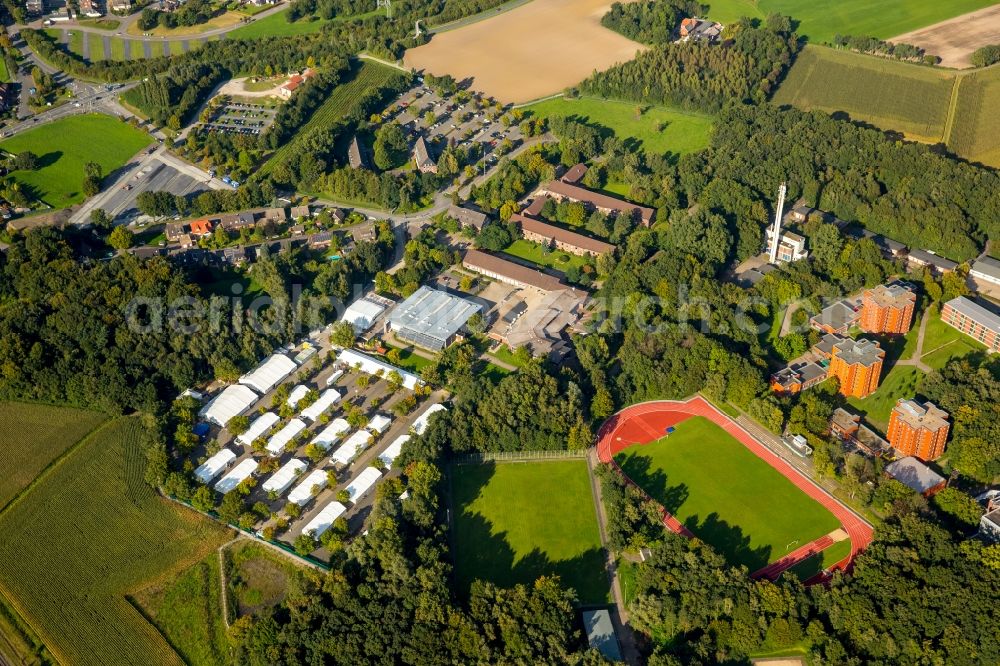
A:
[(326, 400), (331, 433), (379, 424), (421, 422), (362, 314), (213, 467), (363, 482), (284, 477), (276, 444), (233, 401), (356, 442), (258, 428), (267, 375), (372, 366), (302, 493), (393, 450), (236, 476), (324, 519), (296, 394)]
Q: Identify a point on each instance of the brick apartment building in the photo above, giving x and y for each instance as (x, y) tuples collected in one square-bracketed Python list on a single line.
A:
[(888, 309), (550, 235), (918, 429), (858, 366), (974, 320)]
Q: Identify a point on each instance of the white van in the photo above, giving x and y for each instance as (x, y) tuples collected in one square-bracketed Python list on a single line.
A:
[(332, 379)]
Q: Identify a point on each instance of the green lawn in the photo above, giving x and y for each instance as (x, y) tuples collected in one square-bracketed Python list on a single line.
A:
[(505, 354), (901, 382), (4, 74), (823, 560), (515, 522), (820, 21), (276, 25), (103, 24), (408, 360), (96, 43), (187, 609), (658, 128), (725, 494), (535, 253), (65, 146)]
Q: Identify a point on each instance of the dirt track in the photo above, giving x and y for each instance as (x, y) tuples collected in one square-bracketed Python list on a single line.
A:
[(954, 40), (529, 52)]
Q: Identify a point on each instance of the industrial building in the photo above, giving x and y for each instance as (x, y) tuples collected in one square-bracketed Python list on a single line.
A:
[(918, 429), (974, 320), (858, 366), (431, 319)]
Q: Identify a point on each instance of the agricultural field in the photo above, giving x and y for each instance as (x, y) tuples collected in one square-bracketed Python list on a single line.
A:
[(954, 41), (975, 131), (820, 21), (496, 52), (517, 521), (258, 577), (725, 494), (342, 101), (33, 437), (187, 609), (63, 148), (91, 533), (659, 129), (889, 94)]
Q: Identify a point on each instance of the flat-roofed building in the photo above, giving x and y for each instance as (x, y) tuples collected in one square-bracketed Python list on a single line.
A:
[(986, 269), (974, 320), (797, 377), (560, 190), (563, 239), (888, 309), (431, 319), (927, 259), (508, 272), (858, 366), (601, 633), (918, 429), (791, 246), (837, 318)]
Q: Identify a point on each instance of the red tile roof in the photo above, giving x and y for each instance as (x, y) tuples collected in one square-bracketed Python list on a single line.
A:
[(597, 199), (492, 264), (560, 235)]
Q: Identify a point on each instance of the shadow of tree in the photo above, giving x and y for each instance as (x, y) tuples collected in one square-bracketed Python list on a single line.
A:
[(483, 553), (729, 540), (654, 482)]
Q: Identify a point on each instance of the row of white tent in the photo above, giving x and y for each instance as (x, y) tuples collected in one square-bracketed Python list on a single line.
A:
[(237, 398), (359, 486), (263, 423)]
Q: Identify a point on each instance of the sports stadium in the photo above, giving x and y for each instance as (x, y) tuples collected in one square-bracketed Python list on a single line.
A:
[(716, 482)]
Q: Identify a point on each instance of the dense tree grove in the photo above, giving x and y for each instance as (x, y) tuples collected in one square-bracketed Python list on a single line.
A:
[(985, 56), (649, 21), (903, 190), (702, 76), (170, 99)]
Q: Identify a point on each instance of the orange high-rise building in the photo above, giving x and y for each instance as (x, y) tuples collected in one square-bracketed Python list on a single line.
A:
[(918, 430), (888, 309), (858, 366)]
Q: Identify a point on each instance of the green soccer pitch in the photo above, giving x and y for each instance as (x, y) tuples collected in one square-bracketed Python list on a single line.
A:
[(516, 521), (725, 494)]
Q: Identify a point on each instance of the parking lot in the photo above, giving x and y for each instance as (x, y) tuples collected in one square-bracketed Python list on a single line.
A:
[(242, 118), (474, 122), (120, 203)]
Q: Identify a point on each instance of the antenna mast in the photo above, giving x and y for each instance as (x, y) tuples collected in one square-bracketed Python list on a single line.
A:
[(776, 227)]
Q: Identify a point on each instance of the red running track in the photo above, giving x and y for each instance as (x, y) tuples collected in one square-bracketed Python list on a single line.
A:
[(647, 422)]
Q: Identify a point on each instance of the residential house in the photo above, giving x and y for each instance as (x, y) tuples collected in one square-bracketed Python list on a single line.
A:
[(468, 217), (338, 215), (322, 239), (186, 241), (700, 30), (363, 233), (295, 81), (234, 256), (89, 8), (275, 215), (989, 525), (34, 7), (174, 230), (297, 230), (356, 155), (298, 212), (200, 227), (575, 174), (849, 429)]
